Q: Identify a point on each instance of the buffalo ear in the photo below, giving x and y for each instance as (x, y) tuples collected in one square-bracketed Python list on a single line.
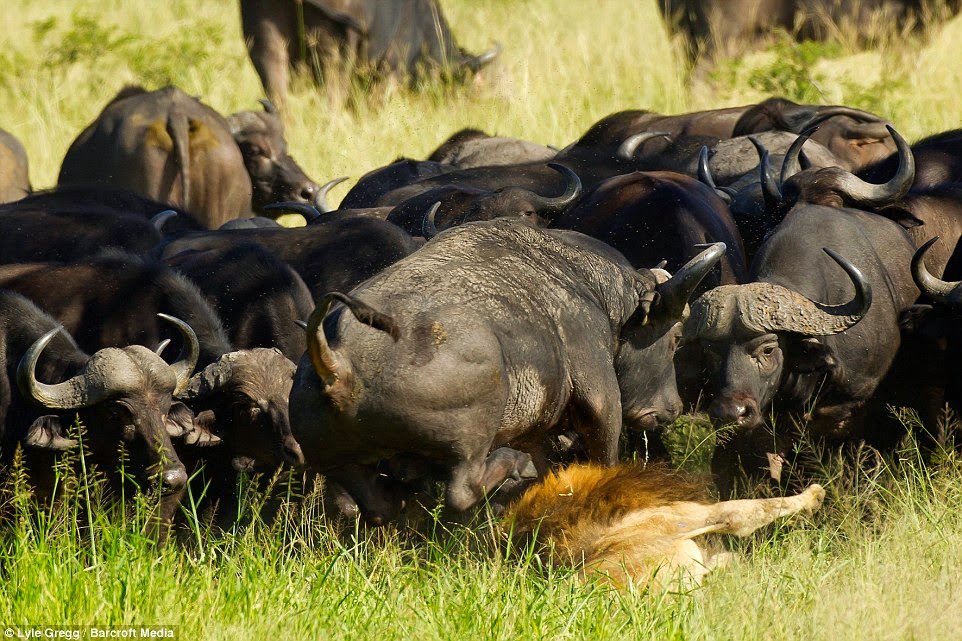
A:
[(202, 434), (180, 420), (811, 355), (902, 216), (46, 433)]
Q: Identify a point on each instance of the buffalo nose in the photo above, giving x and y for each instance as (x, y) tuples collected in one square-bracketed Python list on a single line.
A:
[(174, 479), (742, 411), (309, 192), (293, 453)]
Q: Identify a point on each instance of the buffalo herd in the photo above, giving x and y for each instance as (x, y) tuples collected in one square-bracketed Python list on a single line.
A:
[(477, 318)]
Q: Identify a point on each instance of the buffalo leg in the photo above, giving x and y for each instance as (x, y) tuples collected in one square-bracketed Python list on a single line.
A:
[(360, 486), (597, 418), (473, 479)]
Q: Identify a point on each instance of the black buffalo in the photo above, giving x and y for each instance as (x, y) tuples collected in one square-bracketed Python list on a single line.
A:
[(171, 147), (490, 336), (726, 29), (335, 253), (400, 38), (258, 297), (122, 395), (113, 300)]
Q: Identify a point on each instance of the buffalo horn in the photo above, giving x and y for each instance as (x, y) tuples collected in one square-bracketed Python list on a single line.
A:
[(210, 379), (320, 201), (572, 191), (790, 163), (309, 212), (704, 175), (159, 220), (767, 307), (476, 62), (872, 195), (74, 393), (268, 106), (677, 290), (770, 188), (429, 229), (824, 113), (935, 288), (320, 352), (628, 148), (189, 353)]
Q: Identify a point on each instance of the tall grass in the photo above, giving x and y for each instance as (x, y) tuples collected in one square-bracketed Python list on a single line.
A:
[(564, 66), (880, 561)]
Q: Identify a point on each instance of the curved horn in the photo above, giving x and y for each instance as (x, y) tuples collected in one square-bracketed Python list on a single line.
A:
[(159, 220), (320, 352), (189, 353), (770, 187), (763, 307), (309, 212), (704, 175), (791, 164), (872, 195), (73, 393), (162, 346), (678, 289), (811, 318), (935, 288), (320, 201), (429, 228), (476, 62), (572, 190), (825, 113), (627, 149), (268, 106), (210, 379)]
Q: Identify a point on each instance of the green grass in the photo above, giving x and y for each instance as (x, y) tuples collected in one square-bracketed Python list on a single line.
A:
[(880, 561)]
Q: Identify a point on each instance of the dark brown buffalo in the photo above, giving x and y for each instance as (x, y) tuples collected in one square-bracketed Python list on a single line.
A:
[(14, 170), (275, 176), (72, 223), (457, 205), (474, 148), (400, 38), (486, 339), (857, 138), (726, 29), (334, 253), (171, 147), (258, 297), (123, 396)]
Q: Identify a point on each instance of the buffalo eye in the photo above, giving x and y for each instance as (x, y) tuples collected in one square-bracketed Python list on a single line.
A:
[(254, 150), (129, 433)]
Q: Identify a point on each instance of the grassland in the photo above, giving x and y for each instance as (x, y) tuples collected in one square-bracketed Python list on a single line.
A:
[(881, 561)]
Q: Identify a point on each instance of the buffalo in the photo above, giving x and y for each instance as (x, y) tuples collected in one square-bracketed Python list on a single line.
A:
[(171, 147), (112, 300), (333, 253), (399, 38), (716, 29), (122, 395), (483, 341)]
